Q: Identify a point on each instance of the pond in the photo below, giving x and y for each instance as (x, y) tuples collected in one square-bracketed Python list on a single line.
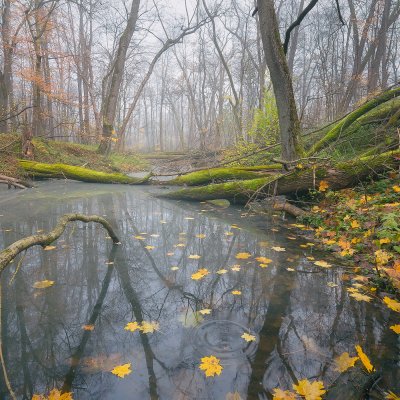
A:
[(71, 334)]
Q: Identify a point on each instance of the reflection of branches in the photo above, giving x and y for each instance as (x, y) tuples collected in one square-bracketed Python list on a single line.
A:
[(75, 358)]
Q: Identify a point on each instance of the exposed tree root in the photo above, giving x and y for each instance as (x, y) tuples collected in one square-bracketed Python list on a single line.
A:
[(44, 239)]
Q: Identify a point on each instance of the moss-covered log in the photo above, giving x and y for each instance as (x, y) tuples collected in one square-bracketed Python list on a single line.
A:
[(44, 239), (214, 175), (339, 176), (60, 171), (347, 121)]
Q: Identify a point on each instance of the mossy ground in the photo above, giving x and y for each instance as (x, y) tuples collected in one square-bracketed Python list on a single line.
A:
[(50, 151), (362, 227)]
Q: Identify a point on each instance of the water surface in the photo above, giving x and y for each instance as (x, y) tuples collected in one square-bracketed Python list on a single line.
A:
[(300, 323)]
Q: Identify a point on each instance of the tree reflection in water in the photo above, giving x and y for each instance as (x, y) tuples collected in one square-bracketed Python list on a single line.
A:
[(300, 323)]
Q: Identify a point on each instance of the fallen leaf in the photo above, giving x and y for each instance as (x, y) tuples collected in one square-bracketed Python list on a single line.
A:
[(332, 284), (344, 362), (132, 326), (248, 338), (180, 245), (280, 394), (263, 260), (122, 370), (228, 233), (47, 248), (310, 391), (205, 311), (201, 236), (149, 247), (395, 328), (364, 359), (396, 188), (170, 254), (150, 327), (222, 271), (355, 224), (361, 297), (194, 256), (211, 366), (138, 237), (189, 218), (243, 256), (88, 327), (392, 304), (200, 273), (236, 268), (323, 185), (391, 396), (290, 269), (322, 264), (236, 292), (277, 248), (155, 235), (43, 284), (55, 394), (174, 268)]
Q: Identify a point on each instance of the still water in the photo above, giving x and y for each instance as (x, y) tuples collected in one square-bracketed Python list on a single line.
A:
[(300, 322)]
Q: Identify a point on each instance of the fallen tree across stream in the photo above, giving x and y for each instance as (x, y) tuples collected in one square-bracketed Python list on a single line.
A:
[(44, 239)]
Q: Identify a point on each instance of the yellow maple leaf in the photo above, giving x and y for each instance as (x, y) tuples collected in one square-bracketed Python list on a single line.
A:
[(248, 338), (392, 304), (194, 256), (395, 328), (361, 297), (323, 185), (235, 267), (277, 248), (396, 188), (382, 257), (201, 236), (55, 394), (174, 268), (355, 224), (149, 327), (310, 390), (391, 396), (89, 327), (47, 248), (263, 260), (149, 247), (228, 233), (243, 256), (43, 284), (205, 311), (323, 264), (280, 394), (211, 366), (236, 292), (344, 362), (222, 271), (384, 241), (364, 359), (132, 326), (138, 237), (122, 370), (200, 273)]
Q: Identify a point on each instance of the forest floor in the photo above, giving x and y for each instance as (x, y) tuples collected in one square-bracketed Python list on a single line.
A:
[(50, 151)]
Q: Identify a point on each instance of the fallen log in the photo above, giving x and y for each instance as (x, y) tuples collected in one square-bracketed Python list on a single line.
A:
[(17, 183), (44, 239), (63, 171), (300, 181)]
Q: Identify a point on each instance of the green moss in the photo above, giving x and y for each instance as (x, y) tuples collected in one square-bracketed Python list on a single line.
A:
[(78, 173), (216, 175), (343, 124)]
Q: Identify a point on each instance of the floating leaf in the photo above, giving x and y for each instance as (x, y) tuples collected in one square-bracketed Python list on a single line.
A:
[(236, 267), (322, 264), (47, 248), (310, 391), (236, 292), (55, 394), (194, 256), (122, 370), (189, 218), (332, 284), (248, 338), (201, 236), (174, 268), (395, 328), (138, 237), (392, 304), (132, 326), (280, 394), (364, 359), (222, 271), (200, 273), (155, 235), (263, 260), (228, 233), (344, 362), (290, 269), (263, 265), (243, 256), (170, 254), (89, 327), (149, 247), (149, 327), (361, 297), (43, 284), (180, 245), (211, 366), (277, 248), (205, 311)]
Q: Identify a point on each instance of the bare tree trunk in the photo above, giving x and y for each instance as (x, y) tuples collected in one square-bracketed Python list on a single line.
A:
[(281, 80)]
